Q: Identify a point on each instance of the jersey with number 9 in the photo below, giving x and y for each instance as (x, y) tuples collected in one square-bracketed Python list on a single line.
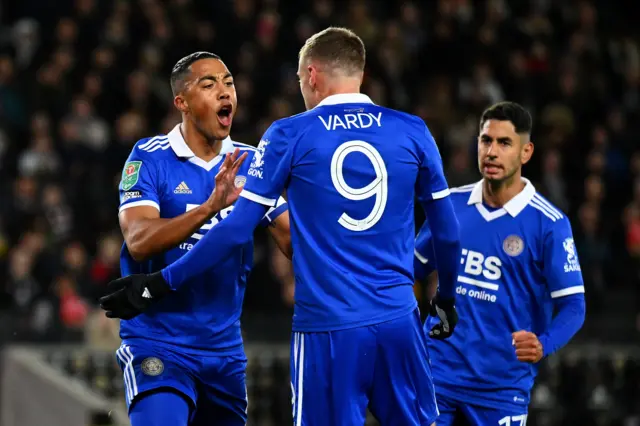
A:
[(351, 170)]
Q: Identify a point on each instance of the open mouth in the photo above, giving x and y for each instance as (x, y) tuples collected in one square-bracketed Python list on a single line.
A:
[(224, 115)]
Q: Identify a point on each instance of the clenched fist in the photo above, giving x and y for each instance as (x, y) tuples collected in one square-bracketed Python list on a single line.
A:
[(528, 347)]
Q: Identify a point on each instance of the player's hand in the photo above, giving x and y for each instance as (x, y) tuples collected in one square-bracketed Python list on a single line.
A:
[(445, 310), (132, 295), (528, 347), (226, 191)]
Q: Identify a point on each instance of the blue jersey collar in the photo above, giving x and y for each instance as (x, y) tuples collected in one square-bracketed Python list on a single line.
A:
[(513, 206), (346, 98), (182, 150)]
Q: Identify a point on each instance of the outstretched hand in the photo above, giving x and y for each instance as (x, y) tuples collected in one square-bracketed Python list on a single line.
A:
[(227, 191)]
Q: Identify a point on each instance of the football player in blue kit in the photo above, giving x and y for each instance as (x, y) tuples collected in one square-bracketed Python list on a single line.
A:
[(517, 267), (183, 359), (352, 170)]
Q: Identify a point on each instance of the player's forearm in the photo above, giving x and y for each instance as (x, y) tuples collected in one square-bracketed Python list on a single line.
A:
[(281, 233), (445, 231), (227, 236), (147, 237), (565, 324)]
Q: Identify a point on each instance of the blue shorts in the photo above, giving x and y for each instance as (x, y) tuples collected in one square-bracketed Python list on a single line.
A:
[(214, 385), (454, 412), (336, 375)]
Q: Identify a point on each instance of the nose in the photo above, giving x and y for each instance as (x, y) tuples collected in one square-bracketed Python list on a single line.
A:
[(491, 151), (225, 93)]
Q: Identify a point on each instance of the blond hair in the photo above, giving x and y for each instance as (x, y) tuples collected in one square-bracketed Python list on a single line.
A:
[(336, 48)]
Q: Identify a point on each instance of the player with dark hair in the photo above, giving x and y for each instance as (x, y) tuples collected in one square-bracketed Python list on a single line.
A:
[(351, 170), (518, 265), (183, 359)]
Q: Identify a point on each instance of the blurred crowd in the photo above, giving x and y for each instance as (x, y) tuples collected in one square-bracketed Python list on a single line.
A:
[(82, 80)]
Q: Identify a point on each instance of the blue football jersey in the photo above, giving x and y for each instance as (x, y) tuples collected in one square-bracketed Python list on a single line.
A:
[(163, 172), (514, 261), (351, 169)]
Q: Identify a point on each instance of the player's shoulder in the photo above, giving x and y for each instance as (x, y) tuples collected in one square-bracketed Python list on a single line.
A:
[(151, 149), (545, 210), (243, 146), (296, 121), (461, 194)]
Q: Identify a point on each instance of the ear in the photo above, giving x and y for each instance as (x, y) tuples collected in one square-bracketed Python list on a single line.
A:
[(527, 152), (313, 76), (181, 103)]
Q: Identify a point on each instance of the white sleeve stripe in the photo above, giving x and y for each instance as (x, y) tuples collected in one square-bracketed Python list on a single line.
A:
[(138, 204), (258, 198), (280, 202), (420, 257), (567, 291), (538, 203), (547, 204), (440, 194), (544, 212)]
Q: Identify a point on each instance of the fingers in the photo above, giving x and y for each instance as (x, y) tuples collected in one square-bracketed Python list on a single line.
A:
[(523, 335), (527, 355), (238, 162), (231, 158), (118, 284)]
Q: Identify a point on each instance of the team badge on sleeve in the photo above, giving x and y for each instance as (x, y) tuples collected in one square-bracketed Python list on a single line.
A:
[(152, 366), (572, 264), (513, 245), (130, 174), (255, 169)]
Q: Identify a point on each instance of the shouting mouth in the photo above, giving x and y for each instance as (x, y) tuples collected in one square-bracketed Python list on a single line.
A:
[(225, 115)]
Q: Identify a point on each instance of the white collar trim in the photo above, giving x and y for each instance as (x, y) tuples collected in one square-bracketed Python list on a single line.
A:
[(182, 150), (346, 98), (513, 207)]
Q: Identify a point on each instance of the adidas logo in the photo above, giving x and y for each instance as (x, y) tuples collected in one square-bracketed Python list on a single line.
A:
[(182, 189), (147, 294)]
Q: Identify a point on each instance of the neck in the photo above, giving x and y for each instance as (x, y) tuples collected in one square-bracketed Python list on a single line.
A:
[(344, 86), (206, 149), (497, 194)]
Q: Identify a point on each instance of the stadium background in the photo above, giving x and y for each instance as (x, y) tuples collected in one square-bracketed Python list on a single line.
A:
[(82, 80)]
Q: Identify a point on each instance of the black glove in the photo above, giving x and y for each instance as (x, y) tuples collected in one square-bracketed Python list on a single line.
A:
[(132, 295), (446, 311)]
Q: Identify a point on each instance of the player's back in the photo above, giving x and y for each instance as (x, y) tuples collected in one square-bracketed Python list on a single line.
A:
[(351, 200)]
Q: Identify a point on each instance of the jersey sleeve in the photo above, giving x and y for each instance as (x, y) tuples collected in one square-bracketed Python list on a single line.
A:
[(269, 169), (274, 212), (561, 265), (431, 185), (424, 261), (138, 183)]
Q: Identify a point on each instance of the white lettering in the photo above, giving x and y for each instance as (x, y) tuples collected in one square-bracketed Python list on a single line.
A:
[(361, 120), (338, 122), (492, 268), (186, 246), (378, 119), (367, 116), (326, 125), (351, 120), (473, 264), (255, 173)]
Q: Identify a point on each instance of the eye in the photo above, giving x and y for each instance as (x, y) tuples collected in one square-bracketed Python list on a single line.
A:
[(229, 83), (207, 86)]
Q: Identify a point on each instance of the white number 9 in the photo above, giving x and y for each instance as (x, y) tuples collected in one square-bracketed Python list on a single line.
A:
[(378, 187)]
